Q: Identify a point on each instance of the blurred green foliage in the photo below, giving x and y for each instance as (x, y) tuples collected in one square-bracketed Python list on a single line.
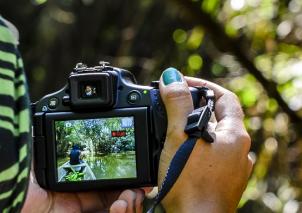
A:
[(252, 47)]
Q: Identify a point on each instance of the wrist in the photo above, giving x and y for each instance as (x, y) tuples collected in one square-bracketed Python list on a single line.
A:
[(195, 203), (197, 206)]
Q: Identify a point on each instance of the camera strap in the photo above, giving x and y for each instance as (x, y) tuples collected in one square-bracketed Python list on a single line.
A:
[(196, 128)]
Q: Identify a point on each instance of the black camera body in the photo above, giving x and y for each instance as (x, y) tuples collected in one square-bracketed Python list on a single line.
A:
[(101, 130)]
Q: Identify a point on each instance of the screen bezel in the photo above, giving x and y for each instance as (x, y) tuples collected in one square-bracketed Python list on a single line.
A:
[(141, 132)]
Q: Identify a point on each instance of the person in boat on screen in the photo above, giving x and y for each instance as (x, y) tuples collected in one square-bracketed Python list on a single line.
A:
[(75, 155)]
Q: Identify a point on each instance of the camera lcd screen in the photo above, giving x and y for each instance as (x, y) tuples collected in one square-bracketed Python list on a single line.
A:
[(95, 149)]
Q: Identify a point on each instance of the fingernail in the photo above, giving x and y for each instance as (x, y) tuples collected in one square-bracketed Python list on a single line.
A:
[(171, 75)]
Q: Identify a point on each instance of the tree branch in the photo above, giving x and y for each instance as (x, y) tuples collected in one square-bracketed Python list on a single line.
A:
[(228, 44)]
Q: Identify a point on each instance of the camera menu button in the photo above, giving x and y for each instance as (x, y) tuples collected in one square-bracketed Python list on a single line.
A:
[(53, 103), (133, 97)]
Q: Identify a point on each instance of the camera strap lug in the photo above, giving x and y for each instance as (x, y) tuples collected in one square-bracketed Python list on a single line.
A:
[(198, 122)]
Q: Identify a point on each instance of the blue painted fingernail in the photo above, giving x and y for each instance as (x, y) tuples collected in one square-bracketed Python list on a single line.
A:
[(171, 75)]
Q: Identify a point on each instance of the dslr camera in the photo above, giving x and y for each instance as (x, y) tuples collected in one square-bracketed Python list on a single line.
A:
[(101, 130)]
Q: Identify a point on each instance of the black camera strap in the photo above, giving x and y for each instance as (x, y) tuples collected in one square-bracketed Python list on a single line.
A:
[(196, 128)]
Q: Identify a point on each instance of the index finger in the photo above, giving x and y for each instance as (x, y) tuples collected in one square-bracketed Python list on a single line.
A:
[(228, 110)]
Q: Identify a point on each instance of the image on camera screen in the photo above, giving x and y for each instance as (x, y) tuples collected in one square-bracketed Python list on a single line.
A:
[(95, 149)]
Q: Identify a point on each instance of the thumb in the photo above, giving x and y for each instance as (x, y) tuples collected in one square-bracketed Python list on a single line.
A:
[(119, 206), (177, 98)]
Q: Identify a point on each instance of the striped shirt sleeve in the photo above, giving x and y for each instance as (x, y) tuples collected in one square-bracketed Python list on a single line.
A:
[(15, 138)]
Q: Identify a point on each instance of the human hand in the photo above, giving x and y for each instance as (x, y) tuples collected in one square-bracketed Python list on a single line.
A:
[(39, 200), (216, 174)]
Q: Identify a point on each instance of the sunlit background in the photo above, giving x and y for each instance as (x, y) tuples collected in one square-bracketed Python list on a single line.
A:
[(252, 47)]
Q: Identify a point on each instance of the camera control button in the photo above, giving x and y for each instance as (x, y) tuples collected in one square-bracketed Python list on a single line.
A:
[(66, 100), (133, 97), (155, 84), (53, 103)]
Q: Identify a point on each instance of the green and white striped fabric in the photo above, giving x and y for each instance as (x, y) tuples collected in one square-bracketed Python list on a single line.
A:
[(15, 138)]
